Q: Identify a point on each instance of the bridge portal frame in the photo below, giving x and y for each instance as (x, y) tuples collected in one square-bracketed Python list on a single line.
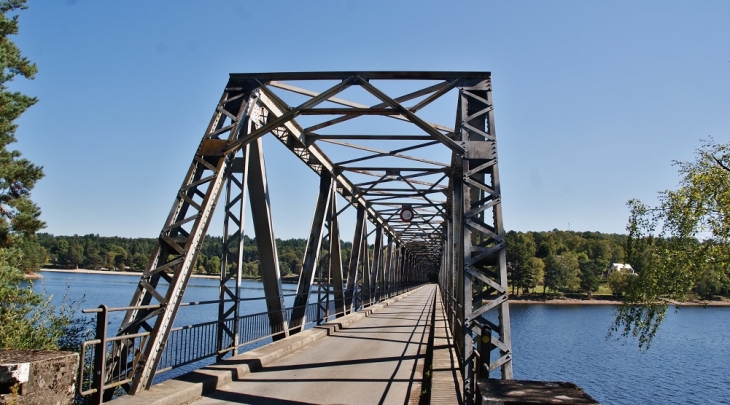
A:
[(464, 234)]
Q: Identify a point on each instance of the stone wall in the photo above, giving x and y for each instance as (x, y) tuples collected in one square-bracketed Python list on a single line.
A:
[(37, 377)]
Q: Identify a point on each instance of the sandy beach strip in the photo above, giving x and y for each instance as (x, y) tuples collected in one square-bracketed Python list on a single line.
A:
[(113, 273), (578, 301)]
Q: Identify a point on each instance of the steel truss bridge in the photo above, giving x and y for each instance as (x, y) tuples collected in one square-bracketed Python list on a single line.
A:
[(412, 154)]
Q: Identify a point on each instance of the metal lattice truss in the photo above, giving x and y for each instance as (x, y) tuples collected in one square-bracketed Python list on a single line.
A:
[(383, 142)]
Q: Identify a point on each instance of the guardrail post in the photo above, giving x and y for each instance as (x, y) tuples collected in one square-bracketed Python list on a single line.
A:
[(100, 356), (484, 347)]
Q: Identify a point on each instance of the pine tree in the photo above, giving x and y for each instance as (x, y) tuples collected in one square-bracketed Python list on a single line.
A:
[(27, 319), (19, 216)]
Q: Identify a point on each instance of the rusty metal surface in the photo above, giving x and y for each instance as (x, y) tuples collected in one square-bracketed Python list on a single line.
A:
[(532, 392)]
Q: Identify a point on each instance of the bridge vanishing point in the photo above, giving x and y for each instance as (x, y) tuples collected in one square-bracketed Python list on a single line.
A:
[(411, 155)]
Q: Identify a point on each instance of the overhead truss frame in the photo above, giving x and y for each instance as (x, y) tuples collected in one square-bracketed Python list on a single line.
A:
[(456, 231)]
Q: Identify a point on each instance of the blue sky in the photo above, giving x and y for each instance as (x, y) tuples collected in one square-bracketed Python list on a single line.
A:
[(593, 100)]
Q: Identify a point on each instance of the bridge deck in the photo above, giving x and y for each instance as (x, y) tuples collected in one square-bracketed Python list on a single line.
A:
[(379, 359)]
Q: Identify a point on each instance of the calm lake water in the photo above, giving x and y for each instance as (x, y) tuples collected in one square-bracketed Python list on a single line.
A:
[(688, 363)]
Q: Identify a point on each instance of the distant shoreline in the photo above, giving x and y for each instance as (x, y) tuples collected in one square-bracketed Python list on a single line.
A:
[(512, 300), (112, 273), (578, 301)]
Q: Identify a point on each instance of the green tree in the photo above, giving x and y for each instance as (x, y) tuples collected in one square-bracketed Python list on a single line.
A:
[(116, 257), (58, 248), (19, 216), (536, 267), (675, 245), (520, 249), (561, 272), (589, 271), (214, 265), (139, 261), (27, 319), (92, 259), (619, 282), (75, 256), (551, 274), (547, 247)]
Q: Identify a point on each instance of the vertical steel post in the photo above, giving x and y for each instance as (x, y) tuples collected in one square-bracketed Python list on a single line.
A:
[(388, 267), (232, 256), (482, 275), (376, 277), (100, 374), (323, 293), (353, 269), (395, 266), (505, 333), (311, 254), (484, 348), (365, 263), (467, 291), (266, 241), (335, 262)]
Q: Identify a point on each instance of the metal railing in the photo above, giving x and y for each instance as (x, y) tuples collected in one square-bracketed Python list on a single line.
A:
[(194, 343), (483, 334)]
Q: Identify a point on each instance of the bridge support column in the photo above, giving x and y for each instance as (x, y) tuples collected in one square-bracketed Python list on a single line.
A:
[(335, 262), (178, 245), (377, 270), (479, 260), (353, 268), (311, 254), (232, 256), (266, 242), (366, 266), (388, 268)]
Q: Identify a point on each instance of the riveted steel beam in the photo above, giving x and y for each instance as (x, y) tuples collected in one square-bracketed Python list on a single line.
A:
[(335, 258), (456, 228), (353, 271), (476, 238), (232, 256), (311, 254), (241, 79), (376, 276), (266, 241), (179, 243)]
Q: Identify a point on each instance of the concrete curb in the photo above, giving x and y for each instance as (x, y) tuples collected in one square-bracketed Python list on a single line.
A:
[(195, 384)]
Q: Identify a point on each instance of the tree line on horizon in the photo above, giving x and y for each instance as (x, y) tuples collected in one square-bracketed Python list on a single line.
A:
[(564, 261), (115, 253), (561, 261), (554, 261), (578, 262)]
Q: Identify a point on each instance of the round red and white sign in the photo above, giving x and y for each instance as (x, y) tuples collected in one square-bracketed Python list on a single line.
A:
[(406, 214)]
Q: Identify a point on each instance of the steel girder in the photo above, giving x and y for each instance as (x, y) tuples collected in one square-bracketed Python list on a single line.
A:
[(447, 176), (311, 253), (154, 304), (232, 260), (476, 235), (266, 241)]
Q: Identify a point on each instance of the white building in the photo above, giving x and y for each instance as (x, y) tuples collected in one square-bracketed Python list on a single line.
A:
[(620, 267)]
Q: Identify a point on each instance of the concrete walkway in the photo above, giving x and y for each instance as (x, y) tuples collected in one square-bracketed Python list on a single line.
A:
[(378, 359)]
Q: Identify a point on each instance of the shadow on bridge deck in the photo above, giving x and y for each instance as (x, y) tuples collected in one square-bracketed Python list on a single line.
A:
[(372, 357)]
